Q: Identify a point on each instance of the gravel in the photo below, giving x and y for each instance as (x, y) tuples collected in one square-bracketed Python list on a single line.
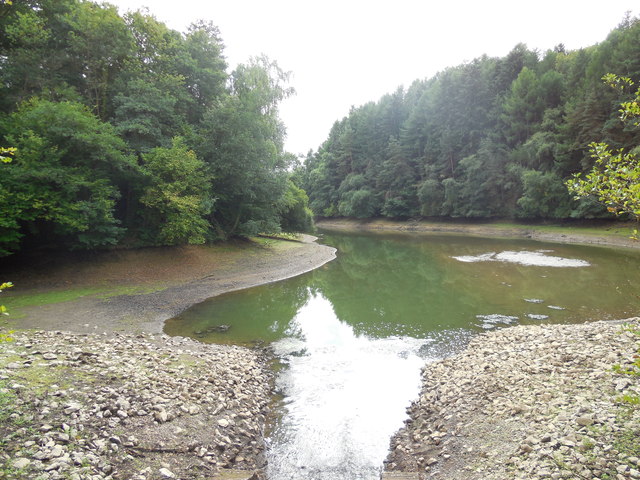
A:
[(528, 402), (129, 406)]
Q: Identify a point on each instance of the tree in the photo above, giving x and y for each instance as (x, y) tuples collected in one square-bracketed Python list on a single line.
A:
[(177, 197), (61, 186), (615, 177), (295, 215), (241, 140)]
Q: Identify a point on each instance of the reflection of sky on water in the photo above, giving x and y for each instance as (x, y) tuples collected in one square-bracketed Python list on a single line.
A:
[(346, 395), (347, 331)]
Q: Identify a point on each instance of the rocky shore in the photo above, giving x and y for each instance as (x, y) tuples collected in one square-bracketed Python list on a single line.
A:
[(139, 407), (529, 402)]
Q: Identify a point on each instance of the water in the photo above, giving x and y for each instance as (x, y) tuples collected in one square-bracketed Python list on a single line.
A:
[(353, 335)]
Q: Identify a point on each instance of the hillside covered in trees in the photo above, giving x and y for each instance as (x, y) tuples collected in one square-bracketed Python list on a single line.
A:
[(495, 137), (128, 132)]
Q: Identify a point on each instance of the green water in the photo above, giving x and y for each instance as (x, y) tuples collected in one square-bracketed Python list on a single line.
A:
[(411, 285), (353, 335)]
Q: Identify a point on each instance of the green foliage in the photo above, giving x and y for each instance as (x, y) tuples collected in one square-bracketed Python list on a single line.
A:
[(295, 214), (6, 153), (61, 182), (358, 204), (615, 177), (544, 196), (495, 137), (177, 198), (3, 309), (240, 139), (92, 101)]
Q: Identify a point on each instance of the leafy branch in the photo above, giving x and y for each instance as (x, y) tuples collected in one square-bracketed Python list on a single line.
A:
[(615, 177)]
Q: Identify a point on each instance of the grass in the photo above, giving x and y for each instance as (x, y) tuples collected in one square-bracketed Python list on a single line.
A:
[(16, 303)]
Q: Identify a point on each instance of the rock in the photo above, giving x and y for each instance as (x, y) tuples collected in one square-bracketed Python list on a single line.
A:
[(56, 451), (49, 356), (622, 469), (20, 463), (223, 422), (584, 420), (166, 473), (161, 416)]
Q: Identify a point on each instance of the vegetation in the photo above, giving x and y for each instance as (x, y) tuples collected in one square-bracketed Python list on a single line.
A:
[(124, 131), (495, 137), (615, 178)]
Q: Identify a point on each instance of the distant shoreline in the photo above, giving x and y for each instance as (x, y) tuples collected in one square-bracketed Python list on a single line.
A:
[(615, 235)]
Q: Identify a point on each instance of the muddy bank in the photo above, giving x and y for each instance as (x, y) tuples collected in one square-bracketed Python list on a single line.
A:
[(177, 278), (528, 402), (567, 235), (134, 407)]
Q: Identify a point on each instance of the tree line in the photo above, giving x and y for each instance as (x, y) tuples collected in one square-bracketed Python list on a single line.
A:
[(128, 132), (495, 137)]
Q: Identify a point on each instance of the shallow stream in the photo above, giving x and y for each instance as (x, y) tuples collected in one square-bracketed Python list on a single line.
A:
[(353, 335)]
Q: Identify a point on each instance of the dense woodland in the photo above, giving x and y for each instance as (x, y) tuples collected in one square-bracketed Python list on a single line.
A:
[(495, 137), (127, 132)]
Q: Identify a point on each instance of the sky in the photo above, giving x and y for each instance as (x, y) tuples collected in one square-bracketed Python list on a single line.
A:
[(344, 53)]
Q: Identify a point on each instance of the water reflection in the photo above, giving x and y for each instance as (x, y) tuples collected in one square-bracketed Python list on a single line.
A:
[(346, 395), (354, 333)]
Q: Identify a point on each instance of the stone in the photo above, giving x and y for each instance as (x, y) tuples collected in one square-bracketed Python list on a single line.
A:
[(20, 463), (585, 420), (622, 469), (161, 416), (223, 422), (57, 451), (166, 473)]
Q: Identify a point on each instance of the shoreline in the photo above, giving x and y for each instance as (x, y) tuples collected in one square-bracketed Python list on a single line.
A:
[(571, 235), (470, 406), (147, 312), (92, 388), (527, 402)]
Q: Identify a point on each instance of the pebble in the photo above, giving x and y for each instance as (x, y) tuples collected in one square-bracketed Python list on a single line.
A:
[(109, 399), (526, 402), (166, 473), (19, 463)]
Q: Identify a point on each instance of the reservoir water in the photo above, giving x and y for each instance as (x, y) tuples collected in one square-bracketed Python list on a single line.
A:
[(352, 335)]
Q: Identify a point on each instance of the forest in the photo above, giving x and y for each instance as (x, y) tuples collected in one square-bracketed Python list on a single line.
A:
[(116, 130), (491, 138)]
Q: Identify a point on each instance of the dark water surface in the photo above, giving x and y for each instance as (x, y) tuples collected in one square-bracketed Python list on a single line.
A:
[(354, 334)]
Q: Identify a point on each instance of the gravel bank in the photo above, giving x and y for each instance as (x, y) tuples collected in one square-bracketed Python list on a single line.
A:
[(136, 407), (528, 402)]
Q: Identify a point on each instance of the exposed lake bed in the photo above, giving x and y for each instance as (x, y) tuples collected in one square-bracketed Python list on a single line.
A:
[(531, 302)]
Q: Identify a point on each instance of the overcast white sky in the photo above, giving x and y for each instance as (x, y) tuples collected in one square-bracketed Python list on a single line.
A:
[(344, 53)]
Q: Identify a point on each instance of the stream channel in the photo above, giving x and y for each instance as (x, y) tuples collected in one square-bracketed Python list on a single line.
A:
[(353, 335)]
